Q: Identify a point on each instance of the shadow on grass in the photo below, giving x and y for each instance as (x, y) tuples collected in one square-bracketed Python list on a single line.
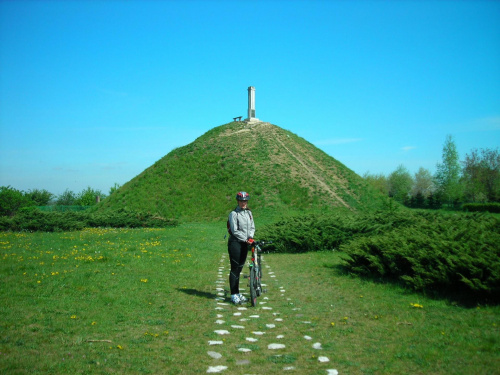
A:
[(198, 293)]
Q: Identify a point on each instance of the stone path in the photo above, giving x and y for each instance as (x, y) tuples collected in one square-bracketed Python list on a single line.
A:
[(239, 330)]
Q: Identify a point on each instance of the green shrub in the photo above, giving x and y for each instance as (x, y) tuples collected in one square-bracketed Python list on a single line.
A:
[(440, 253), (12, 200), (427, 251), (33, 219)]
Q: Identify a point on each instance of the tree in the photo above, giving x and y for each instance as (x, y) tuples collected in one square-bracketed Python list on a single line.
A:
[(423, 183), (400, 183), (40, 197), (88, 196), (378, 181), (67, 198), (11, 200), (448, 173), (481, 176), (114, 188)]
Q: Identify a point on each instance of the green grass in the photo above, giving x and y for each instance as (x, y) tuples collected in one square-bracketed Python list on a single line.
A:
[(151, 294)]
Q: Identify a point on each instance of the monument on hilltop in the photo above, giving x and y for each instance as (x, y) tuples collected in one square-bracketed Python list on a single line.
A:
[(251, 106)]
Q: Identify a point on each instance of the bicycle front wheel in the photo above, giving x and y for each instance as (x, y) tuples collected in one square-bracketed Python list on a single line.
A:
[(253, 286)]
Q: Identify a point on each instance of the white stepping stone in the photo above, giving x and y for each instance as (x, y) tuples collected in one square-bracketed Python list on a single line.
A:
[(267, 308), (237, 327), (280, 336), (220, 316), (251, 339), (289, 368), (264, 285), (332, 372), (254, 316), (237, 314), (308, 337), (223, 303), (244, 319), (220, 298), (213, 342), (276, 346), (270, 325), (242, 308), (258, 333), (214, 355), (244, 350), (219, 321), (219, 308), (219, 289), (278, 320), (266, 298), (306, 322), (263, 302), (317, 345), (222, 332), (214, 369), (323, 359), (273, 275)]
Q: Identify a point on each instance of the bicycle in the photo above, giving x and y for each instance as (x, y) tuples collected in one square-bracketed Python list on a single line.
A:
[(255, 277)]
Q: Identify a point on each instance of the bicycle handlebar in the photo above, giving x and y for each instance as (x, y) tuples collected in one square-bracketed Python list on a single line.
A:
[(261, 243)]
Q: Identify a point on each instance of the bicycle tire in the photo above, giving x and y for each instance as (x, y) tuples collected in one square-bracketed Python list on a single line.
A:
[(253, 286), (260, 271)]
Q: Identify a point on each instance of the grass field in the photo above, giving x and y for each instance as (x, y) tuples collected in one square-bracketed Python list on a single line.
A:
[(143, 301)]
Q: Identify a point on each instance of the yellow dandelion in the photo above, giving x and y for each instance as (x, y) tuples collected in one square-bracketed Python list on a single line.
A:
[(119, 347), (73, 316)]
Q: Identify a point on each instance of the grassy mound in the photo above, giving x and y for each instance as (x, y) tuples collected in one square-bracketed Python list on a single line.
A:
[(282, 172)]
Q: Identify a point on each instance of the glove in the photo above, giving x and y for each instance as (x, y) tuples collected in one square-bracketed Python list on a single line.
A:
[(250, 241)]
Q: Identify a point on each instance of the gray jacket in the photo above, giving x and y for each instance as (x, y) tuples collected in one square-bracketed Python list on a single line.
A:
[(241, 224)]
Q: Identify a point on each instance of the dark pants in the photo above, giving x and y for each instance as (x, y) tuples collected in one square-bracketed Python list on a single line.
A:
[(237, 256)]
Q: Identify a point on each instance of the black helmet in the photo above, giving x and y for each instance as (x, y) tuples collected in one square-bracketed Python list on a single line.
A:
[(242, 196)]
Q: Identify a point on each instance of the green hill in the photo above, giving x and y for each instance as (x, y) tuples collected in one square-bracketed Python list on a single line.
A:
[(282, 172)]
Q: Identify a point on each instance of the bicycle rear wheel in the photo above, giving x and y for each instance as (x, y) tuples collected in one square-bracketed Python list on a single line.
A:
[(253, 286)]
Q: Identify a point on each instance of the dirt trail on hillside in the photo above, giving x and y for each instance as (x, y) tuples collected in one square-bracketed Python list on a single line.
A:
[(311, 174)]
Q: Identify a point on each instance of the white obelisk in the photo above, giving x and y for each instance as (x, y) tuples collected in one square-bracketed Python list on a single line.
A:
[(251, 105)]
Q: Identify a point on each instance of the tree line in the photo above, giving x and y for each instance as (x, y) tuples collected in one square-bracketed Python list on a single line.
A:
[(476, 179), (12, 200)]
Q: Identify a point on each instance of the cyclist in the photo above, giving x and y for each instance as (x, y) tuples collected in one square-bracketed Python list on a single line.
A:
[(242, 229)]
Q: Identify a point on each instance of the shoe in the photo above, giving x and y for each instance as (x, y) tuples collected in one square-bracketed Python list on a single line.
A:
[(242, 298), (235, 298)]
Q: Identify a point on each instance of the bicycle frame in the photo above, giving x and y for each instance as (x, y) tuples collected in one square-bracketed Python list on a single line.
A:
[(256, 272)]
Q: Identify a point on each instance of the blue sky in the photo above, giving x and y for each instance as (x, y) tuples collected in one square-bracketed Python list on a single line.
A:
[(94, 92)]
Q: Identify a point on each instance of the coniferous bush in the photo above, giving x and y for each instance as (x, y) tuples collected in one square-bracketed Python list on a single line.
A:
[(37, 220), (426, 251)]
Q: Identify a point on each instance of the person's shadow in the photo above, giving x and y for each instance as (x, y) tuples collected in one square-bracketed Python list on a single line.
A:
[(197, 293)]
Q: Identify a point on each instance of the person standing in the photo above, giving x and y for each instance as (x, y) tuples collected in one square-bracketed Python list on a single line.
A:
[(242, 229)]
